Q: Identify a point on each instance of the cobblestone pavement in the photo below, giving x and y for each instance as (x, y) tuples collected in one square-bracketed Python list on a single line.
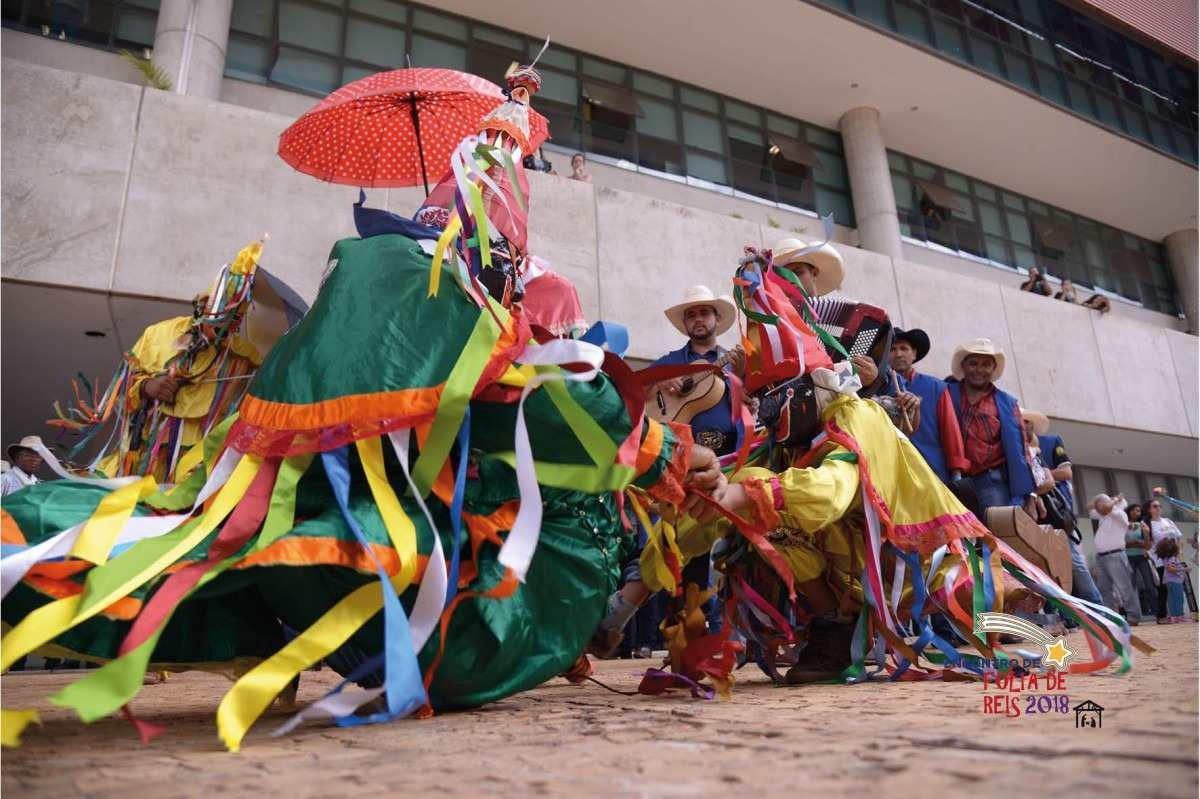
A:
[(910, 739)]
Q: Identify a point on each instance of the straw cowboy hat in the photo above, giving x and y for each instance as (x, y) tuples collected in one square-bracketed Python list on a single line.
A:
[(702, 295), (976, 346), (826, 260), (1039, 420), (917, 338), (28, 442)]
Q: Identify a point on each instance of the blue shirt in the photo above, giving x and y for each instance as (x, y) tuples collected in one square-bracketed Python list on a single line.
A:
[(717, 419)]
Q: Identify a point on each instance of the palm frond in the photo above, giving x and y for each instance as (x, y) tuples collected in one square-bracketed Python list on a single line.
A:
[(154, 75)]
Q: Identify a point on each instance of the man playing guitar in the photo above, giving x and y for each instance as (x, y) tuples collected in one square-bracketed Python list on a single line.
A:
[(702, 317)]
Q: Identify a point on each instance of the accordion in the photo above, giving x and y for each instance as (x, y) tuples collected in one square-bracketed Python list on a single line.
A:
[(860, 328)]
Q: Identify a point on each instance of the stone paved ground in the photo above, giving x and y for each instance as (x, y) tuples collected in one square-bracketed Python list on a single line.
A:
[(890, 739)]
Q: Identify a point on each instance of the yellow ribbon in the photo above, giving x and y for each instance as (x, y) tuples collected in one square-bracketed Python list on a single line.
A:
[(255, 691), (109, 519), (51, 620), (399, 527), (439, 252), (655, 571), (13, 723)]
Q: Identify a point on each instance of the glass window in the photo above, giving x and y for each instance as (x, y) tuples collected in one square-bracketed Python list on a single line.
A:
[(1020, 69), (1018, 228), (989, 218), (374, 43), (660, 154), (897, 162), (426, 20), (911, 21), (247, 59), (311, 27), (788, 127), (826, 139), (352, 73), (949, 39), (253, 16), (658, 119), (955, 181), (1107, 110), (553, 57), (559, 87), (835, 203), (504, 39), (384, 9), (604, 70), (698, 99), (430, 52), (997, 250), (832, 171), (653, 85), (983, 191), (134, 27), (701, 131), (985, 54), (873, 11), (706, 167), (305, 71), (742, 113)]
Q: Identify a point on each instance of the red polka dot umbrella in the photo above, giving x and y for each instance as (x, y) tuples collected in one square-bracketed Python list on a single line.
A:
[(393, 129)]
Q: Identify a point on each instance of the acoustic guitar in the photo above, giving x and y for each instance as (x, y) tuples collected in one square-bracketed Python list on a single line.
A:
[(698, 394)]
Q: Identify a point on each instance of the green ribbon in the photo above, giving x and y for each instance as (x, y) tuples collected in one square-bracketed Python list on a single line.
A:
[(456, 393), (104, 691)]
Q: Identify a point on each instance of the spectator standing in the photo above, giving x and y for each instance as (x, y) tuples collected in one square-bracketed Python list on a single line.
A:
[(1066, 292), (1116, 576), (1053, 453), (993, 434), (25, 463), (938, 437), (1160, 528), (1137, 547), (1175, 571), (579, 168)]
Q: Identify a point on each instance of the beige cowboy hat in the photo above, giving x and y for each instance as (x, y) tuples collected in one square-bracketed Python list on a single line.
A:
[(976, 346), (826, 260), (1039, 420), (702, 295)]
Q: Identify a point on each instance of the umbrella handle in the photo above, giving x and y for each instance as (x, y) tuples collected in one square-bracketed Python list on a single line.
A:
[(416, 119)]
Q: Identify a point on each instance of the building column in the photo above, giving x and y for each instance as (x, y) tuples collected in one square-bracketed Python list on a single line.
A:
[(870, 182), (190, 42), (1183, 254)]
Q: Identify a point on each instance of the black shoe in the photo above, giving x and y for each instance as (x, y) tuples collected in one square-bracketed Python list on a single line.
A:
[(826, 656)]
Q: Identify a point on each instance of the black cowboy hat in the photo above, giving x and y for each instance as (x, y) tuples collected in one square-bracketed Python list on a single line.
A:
[(916, 337)]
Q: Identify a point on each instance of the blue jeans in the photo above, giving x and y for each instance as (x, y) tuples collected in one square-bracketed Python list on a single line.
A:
[(992, 489), (1082, 584), (1174, 599)]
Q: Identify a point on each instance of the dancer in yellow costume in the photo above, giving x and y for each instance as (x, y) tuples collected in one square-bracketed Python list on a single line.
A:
[(837, 541), (186, 374)]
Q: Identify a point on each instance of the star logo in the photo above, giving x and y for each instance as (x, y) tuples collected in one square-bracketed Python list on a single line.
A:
[(1058, 653)]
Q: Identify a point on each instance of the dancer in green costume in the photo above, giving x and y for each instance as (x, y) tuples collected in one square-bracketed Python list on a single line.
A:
[(381, 397)]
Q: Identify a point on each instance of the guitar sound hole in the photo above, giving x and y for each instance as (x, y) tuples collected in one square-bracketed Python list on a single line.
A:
[(688, 385)]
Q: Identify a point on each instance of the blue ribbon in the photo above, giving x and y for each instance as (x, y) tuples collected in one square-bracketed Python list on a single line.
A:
[(403, 686), (460, 485), (609, 336)]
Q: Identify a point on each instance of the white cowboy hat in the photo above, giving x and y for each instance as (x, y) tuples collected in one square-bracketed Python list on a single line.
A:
[(827, 261), (1039, 420), (702, 295), (976, 346)]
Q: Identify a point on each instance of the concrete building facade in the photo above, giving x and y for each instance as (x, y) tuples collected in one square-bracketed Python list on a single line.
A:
[(950, 169)]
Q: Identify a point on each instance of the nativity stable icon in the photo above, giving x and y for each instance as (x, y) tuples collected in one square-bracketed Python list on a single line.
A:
[(1087, 714)]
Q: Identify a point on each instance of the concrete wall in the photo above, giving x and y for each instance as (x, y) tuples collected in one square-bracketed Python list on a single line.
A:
[(121, 189)]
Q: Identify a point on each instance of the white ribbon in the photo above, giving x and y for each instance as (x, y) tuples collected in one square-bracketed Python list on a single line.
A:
[(116, 482), (14, 568), (522, 540), (431, 596), (343, 703)]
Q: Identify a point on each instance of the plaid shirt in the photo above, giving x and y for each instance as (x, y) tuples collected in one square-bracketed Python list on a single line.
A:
[(981, 433)]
